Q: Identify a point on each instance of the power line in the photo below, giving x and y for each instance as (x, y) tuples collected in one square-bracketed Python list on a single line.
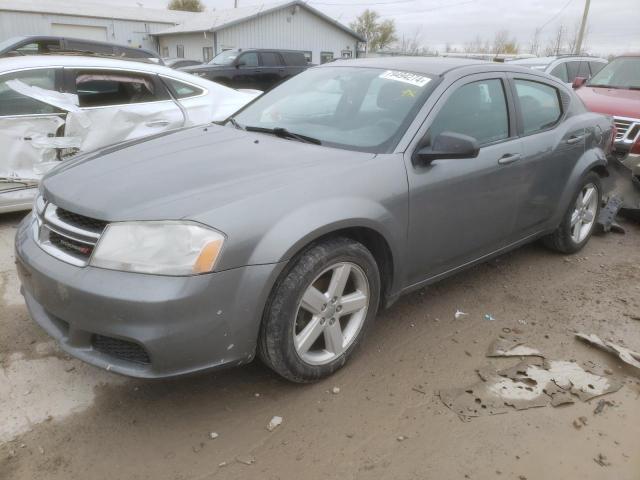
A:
[(556, 15)]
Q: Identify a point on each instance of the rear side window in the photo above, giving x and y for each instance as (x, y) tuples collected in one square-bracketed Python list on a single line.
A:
[(183, 90), (583, 70), (560, 71), (296, 59), (478, 109), (102, 88), (270, 59), (539, 105), (14, 103)]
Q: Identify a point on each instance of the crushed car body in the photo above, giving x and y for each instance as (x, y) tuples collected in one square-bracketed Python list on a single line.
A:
[(53, 107)]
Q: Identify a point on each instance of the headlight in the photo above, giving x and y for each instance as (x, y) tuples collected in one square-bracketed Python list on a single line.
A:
[(163, 248)]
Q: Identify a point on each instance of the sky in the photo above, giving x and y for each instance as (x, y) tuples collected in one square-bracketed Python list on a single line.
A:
[(614, 25)]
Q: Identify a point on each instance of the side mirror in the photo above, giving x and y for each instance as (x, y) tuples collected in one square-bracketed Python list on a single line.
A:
[(448, 145), (578, 82)]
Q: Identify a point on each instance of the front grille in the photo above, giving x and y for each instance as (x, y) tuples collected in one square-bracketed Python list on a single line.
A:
[(70, 246), (80, 221), (66, 235), (121, 349), (627, 130)]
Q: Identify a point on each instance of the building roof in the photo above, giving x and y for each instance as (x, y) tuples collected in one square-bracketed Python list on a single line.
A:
[(98, 10), (224, 18)]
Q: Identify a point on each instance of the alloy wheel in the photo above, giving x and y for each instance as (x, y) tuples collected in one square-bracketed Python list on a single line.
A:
[(331, 313), (584, 215)]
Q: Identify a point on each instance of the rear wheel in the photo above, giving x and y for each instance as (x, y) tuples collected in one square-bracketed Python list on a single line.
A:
[(580, 219), (319, 313)]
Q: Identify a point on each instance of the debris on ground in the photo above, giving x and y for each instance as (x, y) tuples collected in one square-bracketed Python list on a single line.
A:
[(533, 383), (602, 460), (512, 347), (401, 438), (246, 459), (606, 221), (580, 422), (213, 435), (625, 354), (335, 390), (274, 423), (489, 317), (601, 404), (459, 314)]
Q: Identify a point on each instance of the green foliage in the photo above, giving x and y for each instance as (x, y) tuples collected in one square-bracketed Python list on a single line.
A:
[(186, 5), (378, 34)]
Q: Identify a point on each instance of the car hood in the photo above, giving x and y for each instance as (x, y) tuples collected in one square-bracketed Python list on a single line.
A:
[(188, 173), (611, 101)]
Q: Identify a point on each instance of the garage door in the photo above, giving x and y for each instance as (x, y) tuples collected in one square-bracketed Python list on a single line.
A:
[(86, 32)]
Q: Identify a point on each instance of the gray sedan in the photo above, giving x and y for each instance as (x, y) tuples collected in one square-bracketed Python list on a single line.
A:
[(284, 230)]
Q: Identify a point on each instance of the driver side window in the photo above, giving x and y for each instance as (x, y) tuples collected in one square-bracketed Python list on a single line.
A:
[(249, 60), (477, 109)]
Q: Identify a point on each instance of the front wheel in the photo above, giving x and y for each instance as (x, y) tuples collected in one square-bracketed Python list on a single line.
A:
[(319, 312), (580, 219)]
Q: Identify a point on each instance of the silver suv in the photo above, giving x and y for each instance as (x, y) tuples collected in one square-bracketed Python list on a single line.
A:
[(564, 67)]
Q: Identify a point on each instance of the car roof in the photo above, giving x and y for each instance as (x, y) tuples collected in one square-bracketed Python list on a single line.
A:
[(37, 38), (76, 61), (550, 59)]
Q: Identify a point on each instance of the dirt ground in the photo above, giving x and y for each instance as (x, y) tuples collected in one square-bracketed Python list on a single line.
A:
[(61, 419)]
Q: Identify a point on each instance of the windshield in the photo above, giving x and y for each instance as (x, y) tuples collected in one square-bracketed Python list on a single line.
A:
[(365, 109), (224, 58), (623, 72)]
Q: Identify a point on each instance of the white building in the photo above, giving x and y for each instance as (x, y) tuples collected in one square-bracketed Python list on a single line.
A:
[(293, 25), (130, 26)]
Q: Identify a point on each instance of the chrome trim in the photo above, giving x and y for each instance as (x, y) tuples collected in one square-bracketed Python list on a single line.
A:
[(47, 221), (51, 218), (624, 127)]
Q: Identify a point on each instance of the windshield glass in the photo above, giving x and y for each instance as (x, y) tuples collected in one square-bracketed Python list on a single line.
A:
[(623, 72), (224, 58), (364, 109)]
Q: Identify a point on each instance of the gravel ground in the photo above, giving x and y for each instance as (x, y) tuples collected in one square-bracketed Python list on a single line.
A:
[(61, 419)]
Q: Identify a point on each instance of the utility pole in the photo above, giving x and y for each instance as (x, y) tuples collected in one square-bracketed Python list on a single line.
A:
[(583, 26)]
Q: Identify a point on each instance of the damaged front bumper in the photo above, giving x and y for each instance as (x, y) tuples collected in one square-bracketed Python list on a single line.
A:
[(147, 326)]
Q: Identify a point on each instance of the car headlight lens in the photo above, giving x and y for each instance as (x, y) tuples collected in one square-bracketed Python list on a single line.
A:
[(162, 248)]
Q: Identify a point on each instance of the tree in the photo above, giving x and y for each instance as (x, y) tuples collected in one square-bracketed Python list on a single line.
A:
[(503, 44), (378, 35), (186, 5), (534, 46)]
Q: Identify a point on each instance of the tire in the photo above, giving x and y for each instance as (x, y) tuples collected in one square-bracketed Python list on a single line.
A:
[(295, 306), (564, 240)]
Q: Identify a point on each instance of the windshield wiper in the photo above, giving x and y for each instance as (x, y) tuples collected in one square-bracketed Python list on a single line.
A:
[(284, 133), (235, 123)]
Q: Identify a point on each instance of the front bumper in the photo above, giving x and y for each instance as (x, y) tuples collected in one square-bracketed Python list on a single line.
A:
[(139, 325)]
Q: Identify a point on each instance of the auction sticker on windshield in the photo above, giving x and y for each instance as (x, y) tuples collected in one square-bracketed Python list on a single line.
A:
[(406, 77)]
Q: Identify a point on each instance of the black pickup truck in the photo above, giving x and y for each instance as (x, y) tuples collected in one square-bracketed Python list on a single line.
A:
[(260, 69)]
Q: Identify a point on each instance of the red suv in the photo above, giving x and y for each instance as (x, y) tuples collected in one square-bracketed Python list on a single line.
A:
[(615, 90)]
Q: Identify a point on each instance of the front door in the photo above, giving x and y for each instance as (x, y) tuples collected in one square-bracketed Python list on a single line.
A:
[(122, 105), (248, 71), (463, 209)]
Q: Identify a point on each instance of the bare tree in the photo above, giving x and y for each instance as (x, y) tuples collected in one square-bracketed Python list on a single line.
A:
[(556, 42), (572, 39), (413, 45), (534, 45)]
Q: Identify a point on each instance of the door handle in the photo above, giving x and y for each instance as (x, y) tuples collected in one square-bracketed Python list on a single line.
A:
[(157, 123), (576, 139), (508, 158)]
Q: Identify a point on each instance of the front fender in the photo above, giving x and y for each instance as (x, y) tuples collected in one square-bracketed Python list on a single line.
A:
[(311, 221)]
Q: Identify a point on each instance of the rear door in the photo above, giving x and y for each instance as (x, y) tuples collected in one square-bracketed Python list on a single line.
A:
[(463, 209), (552, 142), (271, 71), (27, 125), (122, 104)]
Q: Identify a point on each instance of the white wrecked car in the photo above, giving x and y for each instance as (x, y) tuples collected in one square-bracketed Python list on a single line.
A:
[(52, 107)]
